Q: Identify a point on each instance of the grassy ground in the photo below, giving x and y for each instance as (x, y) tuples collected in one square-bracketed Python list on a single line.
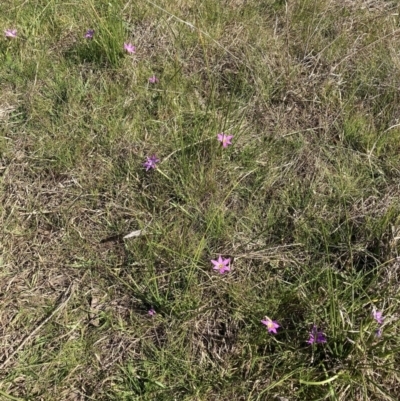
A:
[(305, 201)]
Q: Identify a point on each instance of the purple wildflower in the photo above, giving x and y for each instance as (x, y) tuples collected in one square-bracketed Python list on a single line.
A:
[(225, 139), (10, 33), (151, 312), (272, 325), (129, 48), (153, 79), (316, 336), (151, 162), (378, 332), (222, 265), (89, 34), (377, 315)]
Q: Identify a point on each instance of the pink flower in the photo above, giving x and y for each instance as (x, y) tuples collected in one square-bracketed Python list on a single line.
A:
[(151, 312), (377, 315), (129, 48), (10, 33), (316, 336), (153, 79), (225, 139), (89, 34), (272, 325), (151, 162), (222, 265)]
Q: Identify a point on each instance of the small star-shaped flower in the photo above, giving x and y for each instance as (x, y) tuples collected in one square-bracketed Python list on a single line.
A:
[(316, 336), (10, 33), (151, 162), (153, 79), (272, 325), (130, 48), (225, 139), (151, 312), (89, 34), (377, 315), (222, 265)]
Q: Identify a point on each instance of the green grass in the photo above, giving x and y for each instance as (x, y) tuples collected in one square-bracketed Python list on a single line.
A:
[(305, 201)]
